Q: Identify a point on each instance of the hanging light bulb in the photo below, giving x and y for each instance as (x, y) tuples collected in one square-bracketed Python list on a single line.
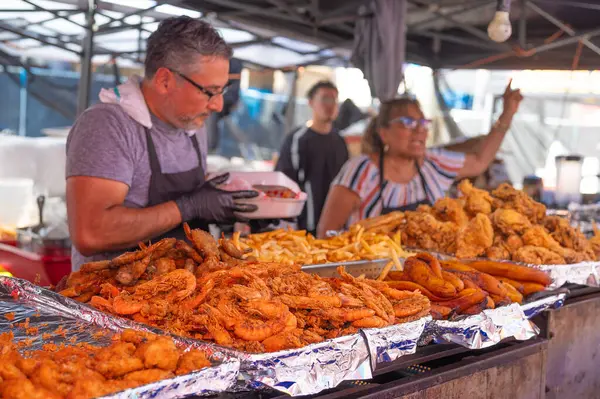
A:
[(499, 30)]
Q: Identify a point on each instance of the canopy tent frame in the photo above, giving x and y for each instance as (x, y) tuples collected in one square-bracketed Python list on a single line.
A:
[(441, 22), (314, 20)]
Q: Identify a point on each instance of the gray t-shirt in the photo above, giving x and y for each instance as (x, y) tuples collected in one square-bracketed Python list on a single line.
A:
[(106, 142)]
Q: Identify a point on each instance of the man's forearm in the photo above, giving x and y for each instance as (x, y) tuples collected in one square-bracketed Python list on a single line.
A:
[(121, 227)]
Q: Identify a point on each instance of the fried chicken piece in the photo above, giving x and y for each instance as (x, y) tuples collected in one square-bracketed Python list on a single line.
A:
[(513, 243), (22, 388), (143, 377), (509, 221), (117, 360), (450, 210), (191, 361), (424, 209), (537, 236), (92, 388), (595, 242), (510, 198), (497, 253), (571, 256), (538, 256), (161, 353), (8, 370), (476, 200), (570, 237), (429, 233), (475, 237), (58, 377)]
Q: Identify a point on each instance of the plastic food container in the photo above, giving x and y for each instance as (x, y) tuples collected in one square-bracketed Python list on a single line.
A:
[(16, 195), (272, 207)]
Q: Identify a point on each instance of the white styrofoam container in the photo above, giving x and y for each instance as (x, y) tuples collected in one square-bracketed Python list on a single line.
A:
[(16, 194), (272, 208)]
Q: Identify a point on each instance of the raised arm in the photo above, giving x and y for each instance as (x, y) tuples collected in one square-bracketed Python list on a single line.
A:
[(340, 203), (99, 222), (476, 164)]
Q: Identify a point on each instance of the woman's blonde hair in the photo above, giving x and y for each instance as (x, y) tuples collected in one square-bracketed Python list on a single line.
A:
[(371, 142)]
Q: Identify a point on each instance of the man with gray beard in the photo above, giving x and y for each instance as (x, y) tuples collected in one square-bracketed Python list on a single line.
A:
[(136, 161)]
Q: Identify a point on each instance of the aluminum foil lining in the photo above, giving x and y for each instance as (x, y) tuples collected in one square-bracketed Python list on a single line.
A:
[(485, 329), (534, 308), (310, 369), (584, 273), (186, 385), (36, 325), (41, 298), (297, 372), (390, 343)]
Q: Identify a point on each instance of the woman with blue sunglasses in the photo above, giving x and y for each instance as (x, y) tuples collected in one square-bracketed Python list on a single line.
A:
[(396, 172)]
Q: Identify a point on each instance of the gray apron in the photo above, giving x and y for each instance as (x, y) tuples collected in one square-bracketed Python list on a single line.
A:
[(165, 187)]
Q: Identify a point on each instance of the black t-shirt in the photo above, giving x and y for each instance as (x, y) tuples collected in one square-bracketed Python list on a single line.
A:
[(320, 156)]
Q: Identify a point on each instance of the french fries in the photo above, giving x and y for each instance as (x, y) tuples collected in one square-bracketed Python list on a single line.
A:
[(289, 246)]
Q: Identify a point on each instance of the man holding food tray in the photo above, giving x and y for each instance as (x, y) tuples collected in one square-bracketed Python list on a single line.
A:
[(136, 161)]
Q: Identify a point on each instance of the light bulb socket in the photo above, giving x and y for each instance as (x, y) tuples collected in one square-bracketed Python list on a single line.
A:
[(503, 5)]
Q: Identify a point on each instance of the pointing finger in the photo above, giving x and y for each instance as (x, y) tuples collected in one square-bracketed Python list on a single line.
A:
[(508, 87)]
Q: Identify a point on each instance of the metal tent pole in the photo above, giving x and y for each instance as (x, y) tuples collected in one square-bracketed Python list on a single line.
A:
[(290, 111), (85, 79)]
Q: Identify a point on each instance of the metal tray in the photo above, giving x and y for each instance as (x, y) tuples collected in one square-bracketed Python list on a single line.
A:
[(370, 268)]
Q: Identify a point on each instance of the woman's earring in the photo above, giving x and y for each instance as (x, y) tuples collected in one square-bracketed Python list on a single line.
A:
[(386, 148)]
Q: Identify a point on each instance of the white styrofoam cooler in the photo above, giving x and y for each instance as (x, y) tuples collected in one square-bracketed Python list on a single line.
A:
[(272, 208)]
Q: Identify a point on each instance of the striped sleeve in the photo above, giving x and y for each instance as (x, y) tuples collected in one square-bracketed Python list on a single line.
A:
[(447, 163), (440, 169), (354, 173)]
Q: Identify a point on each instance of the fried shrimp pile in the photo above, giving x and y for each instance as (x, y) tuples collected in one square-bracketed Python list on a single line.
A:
[(243, 304), (86, 371)]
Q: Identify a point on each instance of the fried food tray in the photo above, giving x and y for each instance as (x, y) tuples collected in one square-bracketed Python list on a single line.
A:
[(302, 371), (583, 273), (473, 332), (37, 324)]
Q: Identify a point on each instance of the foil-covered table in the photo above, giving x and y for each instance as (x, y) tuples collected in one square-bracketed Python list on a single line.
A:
[(390, 343), (482, 330), (492, 325), (35, 325), (301, 371), (310, 369), (553, 301), (584, 273)]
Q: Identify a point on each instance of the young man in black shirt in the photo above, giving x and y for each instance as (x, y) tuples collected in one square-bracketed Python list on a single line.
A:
[(312, 155)]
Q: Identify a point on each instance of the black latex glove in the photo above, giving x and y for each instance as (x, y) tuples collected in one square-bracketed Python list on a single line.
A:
[(215, 205)]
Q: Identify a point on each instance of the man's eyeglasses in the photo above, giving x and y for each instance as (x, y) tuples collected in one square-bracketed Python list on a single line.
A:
[(411, 123), (209, 94)]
